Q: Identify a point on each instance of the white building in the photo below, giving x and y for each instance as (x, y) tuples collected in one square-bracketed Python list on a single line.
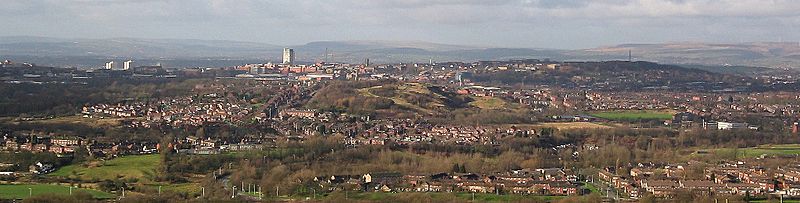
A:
[(110, 65), (728, 126), (127, 65), (725, 125), (288, 56)]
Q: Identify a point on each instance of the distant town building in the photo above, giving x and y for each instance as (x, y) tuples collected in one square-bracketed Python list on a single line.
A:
[(726, 126), (288, 56), (127, 65), (310, 113), (110, 65), (65, 142), (463, 75)]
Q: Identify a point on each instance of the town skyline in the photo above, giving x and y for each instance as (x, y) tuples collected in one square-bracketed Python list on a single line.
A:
[(541, 101)]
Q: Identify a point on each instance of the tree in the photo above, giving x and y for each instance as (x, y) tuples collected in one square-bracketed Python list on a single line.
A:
[(165, 150), (200, 133), (648, 199)]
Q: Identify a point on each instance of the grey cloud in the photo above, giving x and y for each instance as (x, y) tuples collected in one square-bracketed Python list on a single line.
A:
[(531, 23)]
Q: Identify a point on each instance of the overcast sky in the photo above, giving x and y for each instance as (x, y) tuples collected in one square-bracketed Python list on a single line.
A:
[(499, 23)]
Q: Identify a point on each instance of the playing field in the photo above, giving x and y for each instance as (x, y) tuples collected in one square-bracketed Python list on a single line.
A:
[(633, 115), (562, 125), (78, 120), (141, 167), (188, 188), (480, 197), (765, 150), (771, 150), (774, 200), (22, 191)]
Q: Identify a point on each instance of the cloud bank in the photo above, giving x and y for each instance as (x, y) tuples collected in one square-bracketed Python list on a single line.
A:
[(514, 23)]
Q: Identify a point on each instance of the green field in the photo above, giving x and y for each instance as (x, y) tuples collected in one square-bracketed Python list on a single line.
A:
[(632, 115), (776, 201), (402, 91), (462, 196), (141, 167), (591, 187), (767, 150), (488, 103), (22, 192), (189, 188), (77, 120)]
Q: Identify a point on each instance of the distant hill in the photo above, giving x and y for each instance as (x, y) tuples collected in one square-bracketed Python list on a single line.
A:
[(762, 54), (134, 48), (221, 52), (397, 100), (386, 98), (624, 76)]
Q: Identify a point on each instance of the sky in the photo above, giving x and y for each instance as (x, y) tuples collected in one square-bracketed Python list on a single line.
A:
[(562, 24)]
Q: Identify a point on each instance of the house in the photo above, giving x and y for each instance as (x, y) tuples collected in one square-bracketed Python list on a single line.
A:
[(660, 188), (793, 190), (705, 187), (792, 175), (562, 188), (58, 149), (554, 174), (11, 145), (606, 176), (515, 179), (468, 176), (298, 113), (65, 142), (383, 178), (385, 188), (744, 188), (642, 173), (521, 188), (432, 187), (476, 186)]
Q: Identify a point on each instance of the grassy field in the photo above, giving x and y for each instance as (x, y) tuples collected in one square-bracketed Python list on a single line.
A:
[(633, 115), (591, 187), (409, 88), (22, 192), (776, 201), (767, 150), (92, 122), (488, 103), (480, 197), (140, 167), (189, 188), (563, 125)]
